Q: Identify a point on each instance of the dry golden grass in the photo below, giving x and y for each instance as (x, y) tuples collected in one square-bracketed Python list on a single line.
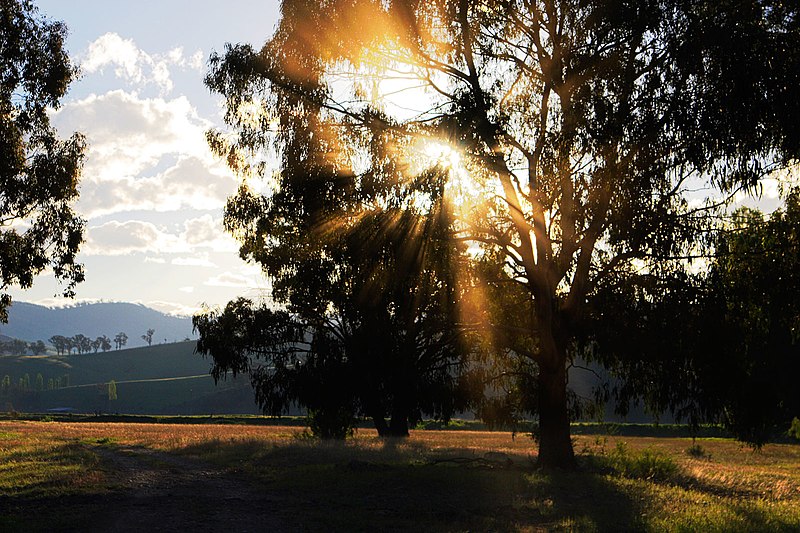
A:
[(437, 480)]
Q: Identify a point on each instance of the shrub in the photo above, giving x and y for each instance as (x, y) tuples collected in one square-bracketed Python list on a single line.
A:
[(794, 429), (698, 452), (331, 423), (647, 464)]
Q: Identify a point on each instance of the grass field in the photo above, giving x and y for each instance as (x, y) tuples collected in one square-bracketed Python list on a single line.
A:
[(435, 480)]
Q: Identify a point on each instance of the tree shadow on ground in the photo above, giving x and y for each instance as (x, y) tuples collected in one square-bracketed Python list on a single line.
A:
[(399, 485)]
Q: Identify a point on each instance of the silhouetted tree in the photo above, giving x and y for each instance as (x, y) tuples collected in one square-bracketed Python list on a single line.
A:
[(81, 343), (38, 171), (148, 337), (387, 326), (104, 343), (59, 342), (37, 348), (120, 339), (583, 126)]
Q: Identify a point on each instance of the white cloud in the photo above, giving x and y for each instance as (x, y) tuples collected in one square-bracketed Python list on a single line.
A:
[(198, 237), (172, 308), (127, 134), (135, 66), (206, 232), (122, 54), (196, 61), (188, 290), (229, 279), (123, 238), (193, 262), (145, 153), (189, 183)]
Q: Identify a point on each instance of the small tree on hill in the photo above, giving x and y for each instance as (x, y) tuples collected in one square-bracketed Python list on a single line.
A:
[(104, 343), (120, 339), (37, 348), (148, 337), (59, 343)]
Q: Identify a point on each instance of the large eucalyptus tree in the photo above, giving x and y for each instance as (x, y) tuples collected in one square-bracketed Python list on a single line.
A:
[(576, 132), (38, 171)]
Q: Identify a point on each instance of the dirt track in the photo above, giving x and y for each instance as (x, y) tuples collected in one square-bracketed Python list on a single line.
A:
[(156, 491)]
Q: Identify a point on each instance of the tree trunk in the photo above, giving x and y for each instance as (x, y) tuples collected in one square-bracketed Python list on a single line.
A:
[(555, 445), (380, 425), (398, 425)]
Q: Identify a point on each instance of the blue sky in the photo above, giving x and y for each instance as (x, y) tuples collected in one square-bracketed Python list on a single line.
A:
[(151, 191)]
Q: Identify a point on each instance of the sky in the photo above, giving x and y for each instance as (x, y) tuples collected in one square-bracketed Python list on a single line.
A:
[(151, 191)]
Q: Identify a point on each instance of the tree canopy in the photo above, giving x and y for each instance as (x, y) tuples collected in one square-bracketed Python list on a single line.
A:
[(576, 132), (38, 171)]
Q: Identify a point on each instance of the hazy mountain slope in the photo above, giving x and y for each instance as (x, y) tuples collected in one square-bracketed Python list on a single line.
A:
[(163, 379), (34, 322)]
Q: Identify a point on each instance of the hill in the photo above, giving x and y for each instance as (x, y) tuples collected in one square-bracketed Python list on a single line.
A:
[(33, 322), (168, 379)]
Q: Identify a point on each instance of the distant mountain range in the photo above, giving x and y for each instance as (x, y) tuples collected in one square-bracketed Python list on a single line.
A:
[(31, 322)]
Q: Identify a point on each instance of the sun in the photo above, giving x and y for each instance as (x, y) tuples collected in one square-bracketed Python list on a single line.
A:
[(439, 153), (461, 187)]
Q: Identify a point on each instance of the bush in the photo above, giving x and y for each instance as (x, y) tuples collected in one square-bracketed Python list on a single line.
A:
[(794, 429), (647, 464), (331, 423), (698, 452)]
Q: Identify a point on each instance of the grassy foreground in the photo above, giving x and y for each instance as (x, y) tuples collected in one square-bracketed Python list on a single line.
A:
[(435, 480)]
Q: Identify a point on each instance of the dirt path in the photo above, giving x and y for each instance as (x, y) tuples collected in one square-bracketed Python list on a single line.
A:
[(156, 491)]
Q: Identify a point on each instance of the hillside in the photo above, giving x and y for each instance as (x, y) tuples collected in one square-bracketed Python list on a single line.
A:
[(33, 322), (165, 379)]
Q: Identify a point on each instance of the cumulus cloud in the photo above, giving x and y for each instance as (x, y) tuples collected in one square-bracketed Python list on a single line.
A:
[(128, 134), (193, 242), (229, 279), (145, 154), (188, 184), (123, 238), (134, 65), (206, 232), (202, 261)]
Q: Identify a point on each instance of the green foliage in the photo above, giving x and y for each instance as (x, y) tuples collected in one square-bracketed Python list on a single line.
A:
[(794, 429), (112, 390), (581, 126), (698, 452), (38, 171), (331, 423), (646, 464), (720, 347)]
